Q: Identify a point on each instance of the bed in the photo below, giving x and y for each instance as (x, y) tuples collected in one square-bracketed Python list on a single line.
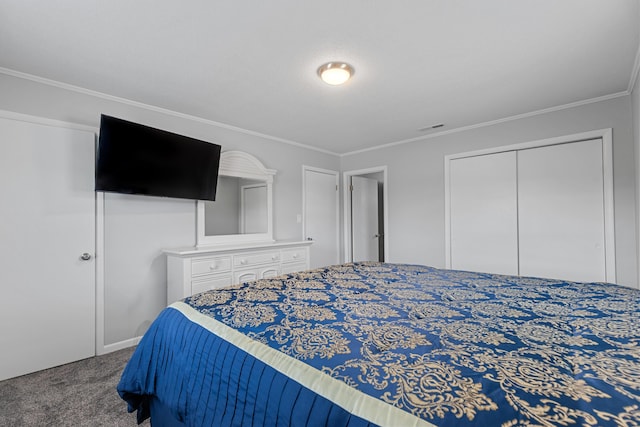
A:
[(366, 344)]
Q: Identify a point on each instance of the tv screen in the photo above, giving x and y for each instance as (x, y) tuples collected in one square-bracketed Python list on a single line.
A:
[(137, 159)]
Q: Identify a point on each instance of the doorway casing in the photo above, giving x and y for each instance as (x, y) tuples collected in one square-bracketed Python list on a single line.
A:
[(346, 206)]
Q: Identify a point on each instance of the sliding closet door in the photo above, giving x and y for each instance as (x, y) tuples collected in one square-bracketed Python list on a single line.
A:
[(483, 213), (561, 211)]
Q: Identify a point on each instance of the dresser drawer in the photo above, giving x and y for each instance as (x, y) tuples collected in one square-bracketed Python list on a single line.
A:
[(191, 271), (208, 283), (248, 275), (255, 258), (210, 265), (294, 255), (294, 267)]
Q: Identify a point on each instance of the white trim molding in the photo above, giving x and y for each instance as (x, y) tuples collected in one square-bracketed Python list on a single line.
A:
[(346, 180), (137, 104), (634, 71), (99, 264), (492, 122), (131, 342), (101, 95), (45, 121)]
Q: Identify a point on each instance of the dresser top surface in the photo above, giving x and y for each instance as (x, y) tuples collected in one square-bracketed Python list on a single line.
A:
[(190, 251)]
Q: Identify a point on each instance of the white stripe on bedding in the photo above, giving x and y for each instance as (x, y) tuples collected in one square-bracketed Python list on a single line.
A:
[(345, 396)]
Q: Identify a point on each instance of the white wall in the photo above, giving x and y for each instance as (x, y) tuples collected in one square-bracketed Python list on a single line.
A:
[(635, 111), (416, 178), (136, 228)]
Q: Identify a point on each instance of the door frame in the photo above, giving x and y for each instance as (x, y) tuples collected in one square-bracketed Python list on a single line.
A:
[(97, 252), (607, 173), (346, 207), (336, 174)]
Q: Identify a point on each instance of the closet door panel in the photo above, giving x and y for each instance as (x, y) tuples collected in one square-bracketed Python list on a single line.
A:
[(483, 213), (561, 211)]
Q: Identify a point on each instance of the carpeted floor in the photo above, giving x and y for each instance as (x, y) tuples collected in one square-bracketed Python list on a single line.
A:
[(78, 394)]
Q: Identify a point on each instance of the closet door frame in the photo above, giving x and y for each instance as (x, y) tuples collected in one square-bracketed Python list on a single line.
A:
[(607, 164)]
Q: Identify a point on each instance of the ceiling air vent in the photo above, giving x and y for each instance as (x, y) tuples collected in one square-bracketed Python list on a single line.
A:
[(424, 129)]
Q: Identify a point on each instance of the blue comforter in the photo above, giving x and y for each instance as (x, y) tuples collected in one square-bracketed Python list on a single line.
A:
[(391, 344)]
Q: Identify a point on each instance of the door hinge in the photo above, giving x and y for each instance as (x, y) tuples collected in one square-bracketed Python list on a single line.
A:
[(351, 187)]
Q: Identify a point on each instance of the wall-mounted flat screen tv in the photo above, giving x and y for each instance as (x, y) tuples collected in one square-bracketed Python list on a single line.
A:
[(137, 159)]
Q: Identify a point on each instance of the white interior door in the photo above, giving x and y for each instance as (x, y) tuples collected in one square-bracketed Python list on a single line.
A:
[(47, 221), (364, 219), (320, 215), (253, 207), (561, 215), (483, 213)]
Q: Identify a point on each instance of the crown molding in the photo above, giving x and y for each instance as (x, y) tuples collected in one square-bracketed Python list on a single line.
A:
[(46, 122), (89, 92), (492, 122), (102, 95), (634, 71)]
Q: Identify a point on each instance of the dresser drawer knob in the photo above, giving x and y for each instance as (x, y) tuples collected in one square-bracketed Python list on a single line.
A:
[(274, 257), (243, 261), (213, 267), (295, 256)]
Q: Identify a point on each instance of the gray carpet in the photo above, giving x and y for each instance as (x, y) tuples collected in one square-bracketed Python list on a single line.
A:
[(78, 394)]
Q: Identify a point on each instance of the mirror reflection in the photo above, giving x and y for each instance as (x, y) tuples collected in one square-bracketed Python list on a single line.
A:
[(240, 207)]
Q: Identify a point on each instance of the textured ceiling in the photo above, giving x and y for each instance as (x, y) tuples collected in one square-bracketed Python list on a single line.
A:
[(253, 64)]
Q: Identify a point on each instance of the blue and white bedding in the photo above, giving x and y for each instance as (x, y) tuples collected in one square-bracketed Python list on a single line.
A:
[(394, 345)]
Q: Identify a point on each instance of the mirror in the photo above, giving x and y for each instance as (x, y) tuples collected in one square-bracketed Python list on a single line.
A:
[(240, 207), (242, 212)]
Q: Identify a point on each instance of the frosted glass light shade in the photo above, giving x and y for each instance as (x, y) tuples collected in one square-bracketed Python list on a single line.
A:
[(335, 73)]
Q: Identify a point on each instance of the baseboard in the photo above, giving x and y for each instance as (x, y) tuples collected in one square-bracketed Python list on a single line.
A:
[(110, 348)]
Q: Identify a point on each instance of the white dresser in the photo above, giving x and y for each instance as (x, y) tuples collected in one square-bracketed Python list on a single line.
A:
[(193, 270)]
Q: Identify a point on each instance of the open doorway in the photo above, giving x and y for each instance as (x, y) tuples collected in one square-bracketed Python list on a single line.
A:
[(365, 215)]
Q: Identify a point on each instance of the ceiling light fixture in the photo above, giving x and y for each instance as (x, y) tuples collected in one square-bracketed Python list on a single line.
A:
[(335, 73)]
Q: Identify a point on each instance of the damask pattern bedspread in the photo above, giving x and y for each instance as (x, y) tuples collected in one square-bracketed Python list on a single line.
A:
[(395, 344)]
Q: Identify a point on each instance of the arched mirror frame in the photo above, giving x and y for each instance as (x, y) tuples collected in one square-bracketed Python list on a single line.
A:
[(240, 165)]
